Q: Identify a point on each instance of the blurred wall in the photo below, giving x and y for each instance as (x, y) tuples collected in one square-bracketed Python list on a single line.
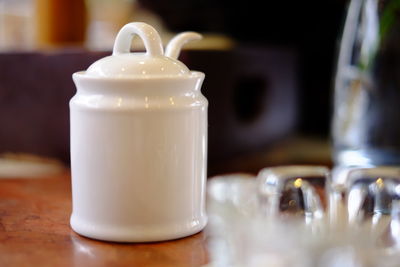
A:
[(311, 28)]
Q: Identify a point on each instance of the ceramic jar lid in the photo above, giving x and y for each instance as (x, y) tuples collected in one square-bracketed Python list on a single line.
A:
[(123, 63)]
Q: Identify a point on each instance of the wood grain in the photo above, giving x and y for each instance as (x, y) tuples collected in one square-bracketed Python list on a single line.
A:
[(34, 230)]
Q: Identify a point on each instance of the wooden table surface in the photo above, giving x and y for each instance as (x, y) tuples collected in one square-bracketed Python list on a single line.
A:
[(35, 231)]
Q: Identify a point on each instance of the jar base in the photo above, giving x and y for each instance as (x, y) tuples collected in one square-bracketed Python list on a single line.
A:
[(133, 234)]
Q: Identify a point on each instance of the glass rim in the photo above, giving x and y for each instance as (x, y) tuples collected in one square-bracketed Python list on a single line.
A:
[(293, 171), (355, 174)]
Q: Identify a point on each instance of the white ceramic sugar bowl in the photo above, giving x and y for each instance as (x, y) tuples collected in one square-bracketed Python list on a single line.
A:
[(139, 143)]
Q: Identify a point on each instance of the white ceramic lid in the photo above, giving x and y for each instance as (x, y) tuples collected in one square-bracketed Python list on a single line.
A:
[(123, 63)]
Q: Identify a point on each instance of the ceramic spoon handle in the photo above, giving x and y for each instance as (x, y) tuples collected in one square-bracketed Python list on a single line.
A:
[(174, 47)]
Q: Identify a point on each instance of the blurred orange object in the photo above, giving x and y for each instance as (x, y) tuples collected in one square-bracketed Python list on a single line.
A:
[(60, 22)]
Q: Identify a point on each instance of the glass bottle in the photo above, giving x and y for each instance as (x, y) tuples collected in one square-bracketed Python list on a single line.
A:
[(366, 118)]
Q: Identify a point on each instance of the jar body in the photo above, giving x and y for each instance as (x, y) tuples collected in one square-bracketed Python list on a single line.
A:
[(365, 127), (138, 159)]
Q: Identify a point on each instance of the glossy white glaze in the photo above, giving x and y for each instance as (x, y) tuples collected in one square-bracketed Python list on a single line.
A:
[(175, 45), (138, 150)]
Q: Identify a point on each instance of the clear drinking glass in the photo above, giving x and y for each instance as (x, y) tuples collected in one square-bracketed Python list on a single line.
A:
[(365, 127), (373, 207), (293, 190), (371, 191)]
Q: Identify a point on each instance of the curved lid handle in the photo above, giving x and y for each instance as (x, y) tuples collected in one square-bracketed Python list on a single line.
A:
[(151, 39), (175, 45)]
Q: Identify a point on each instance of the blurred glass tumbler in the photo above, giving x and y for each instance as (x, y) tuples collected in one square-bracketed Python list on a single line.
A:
[(373, 204), (293, 190), (249, 229), (139, 143), (371, 192), (365, 127)]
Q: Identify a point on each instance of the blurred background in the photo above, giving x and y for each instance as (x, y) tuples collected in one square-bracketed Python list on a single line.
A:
[(269, 69)]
